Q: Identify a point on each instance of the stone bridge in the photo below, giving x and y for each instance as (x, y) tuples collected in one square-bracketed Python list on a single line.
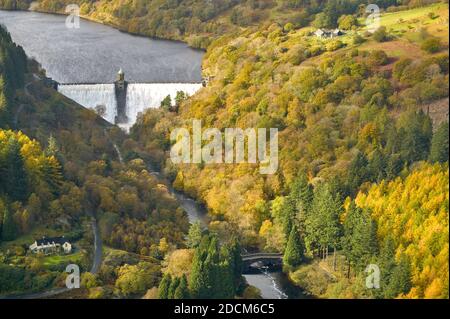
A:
[(250, 262)]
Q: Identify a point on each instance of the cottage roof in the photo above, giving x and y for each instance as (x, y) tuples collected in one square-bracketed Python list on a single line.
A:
[(51, 240)]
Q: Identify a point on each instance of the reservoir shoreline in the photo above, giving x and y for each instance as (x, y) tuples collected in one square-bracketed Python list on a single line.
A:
[(111, 25)]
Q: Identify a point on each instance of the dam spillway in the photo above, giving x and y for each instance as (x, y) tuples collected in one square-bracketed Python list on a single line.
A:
[(93, 96), (120, 103)]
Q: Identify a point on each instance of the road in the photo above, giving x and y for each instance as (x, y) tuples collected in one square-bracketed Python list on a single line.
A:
[(97, 259)]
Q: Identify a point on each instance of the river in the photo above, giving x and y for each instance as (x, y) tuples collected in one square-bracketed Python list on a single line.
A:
[(272, 284), (93, 54)]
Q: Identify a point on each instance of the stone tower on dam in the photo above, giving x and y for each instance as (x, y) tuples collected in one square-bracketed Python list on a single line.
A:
[(120, 88)]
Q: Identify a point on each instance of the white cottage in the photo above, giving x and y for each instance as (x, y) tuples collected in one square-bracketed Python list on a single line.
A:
[(51, 245), (322, 33)]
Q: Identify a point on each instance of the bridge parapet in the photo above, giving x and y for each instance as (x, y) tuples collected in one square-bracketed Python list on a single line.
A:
[(271, 260)]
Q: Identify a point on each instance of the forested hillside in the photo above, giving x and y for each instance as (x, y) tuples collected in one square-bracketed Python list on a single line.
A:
[(349, 112), (198, 22), (59, 169), (414, 216), (363, 166)]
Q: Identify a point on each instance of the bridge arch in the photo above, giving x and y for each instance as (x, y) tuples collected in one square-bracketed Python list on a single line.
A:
[(251, 262)]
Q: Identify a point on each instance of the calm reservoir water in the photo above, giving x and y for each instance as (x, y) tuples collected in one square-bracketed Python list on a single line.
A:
[(95, 52)]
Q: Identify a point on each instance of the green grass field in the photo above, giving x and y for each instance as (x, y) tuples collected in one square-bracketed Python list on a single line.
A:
[(408, 23), (56, 260)]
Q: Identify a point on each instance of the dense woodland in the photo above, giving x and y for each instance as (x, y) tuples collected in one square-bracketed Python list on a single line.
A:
[(58, 169), (350, 114), (363, 174)]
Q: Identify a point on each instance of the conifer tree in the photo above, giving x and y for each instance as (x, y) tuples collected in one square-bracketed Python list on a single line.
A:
[(293, 254), (194, 235), (198, 280), (173, 287), (9, 229), (400, 281), (287, 215), (359, 242), (323, 228), (302, 195), (182, 291), (302, 192), (17, 186), (440, 144), (164, 287), (225, 288), (357, 172), (387, 264)]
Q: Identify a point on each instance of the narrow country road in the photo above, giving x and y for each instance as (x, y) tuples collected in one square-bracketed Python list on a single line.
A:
[(98, 251)]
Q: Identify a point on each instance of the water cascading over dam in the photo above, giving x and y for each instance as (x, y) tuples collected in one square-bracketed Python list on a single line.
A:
[(93, 96), (141, 96), (121, 102)]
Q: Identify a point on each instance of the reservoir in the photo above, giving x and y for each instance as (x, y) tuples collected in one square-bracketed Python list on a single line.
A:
[(85, 62), (95, 52)]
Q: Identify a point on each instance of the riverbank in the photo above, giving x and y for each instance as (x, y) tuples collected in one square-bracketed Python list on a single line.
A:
[(320, 279)]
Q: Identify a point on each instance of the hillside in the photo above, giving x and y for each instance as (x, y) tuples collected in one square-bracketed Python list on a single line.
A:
[(363, 150), (415, 216), (348, 111), (199, 22), (59, 170)]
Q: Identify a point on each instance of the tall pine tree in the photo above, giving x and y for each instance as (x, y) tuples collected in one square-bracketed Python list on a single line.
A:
[(163, 291), (293, 254), (182, 291), (439, 145)]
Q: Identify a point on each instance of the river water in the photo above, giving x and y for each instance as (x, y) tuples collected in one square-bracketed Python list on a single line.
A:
[(93, 54), (272, 284)]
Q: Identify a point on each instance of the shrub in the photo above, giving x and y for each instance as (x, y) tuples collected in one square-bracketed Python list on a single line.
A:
[(377, 58), (334, 45), (288, 27), (431, 45), (381, 35), (346, 22), (357, 39)]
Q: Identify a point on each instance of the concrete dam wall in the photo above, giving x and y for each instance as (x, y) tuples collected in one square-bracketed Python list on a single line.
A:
[(121, 102)]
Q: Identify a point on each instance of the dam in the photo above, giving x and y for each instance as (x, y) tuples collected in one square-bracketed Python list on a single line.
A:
[(121, 102), (84, 63)]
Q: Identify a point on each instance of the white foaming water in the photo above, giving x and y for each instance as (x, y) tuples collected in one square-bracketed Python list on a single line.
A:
[(150, 95), (140, 96), (91, 96)]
